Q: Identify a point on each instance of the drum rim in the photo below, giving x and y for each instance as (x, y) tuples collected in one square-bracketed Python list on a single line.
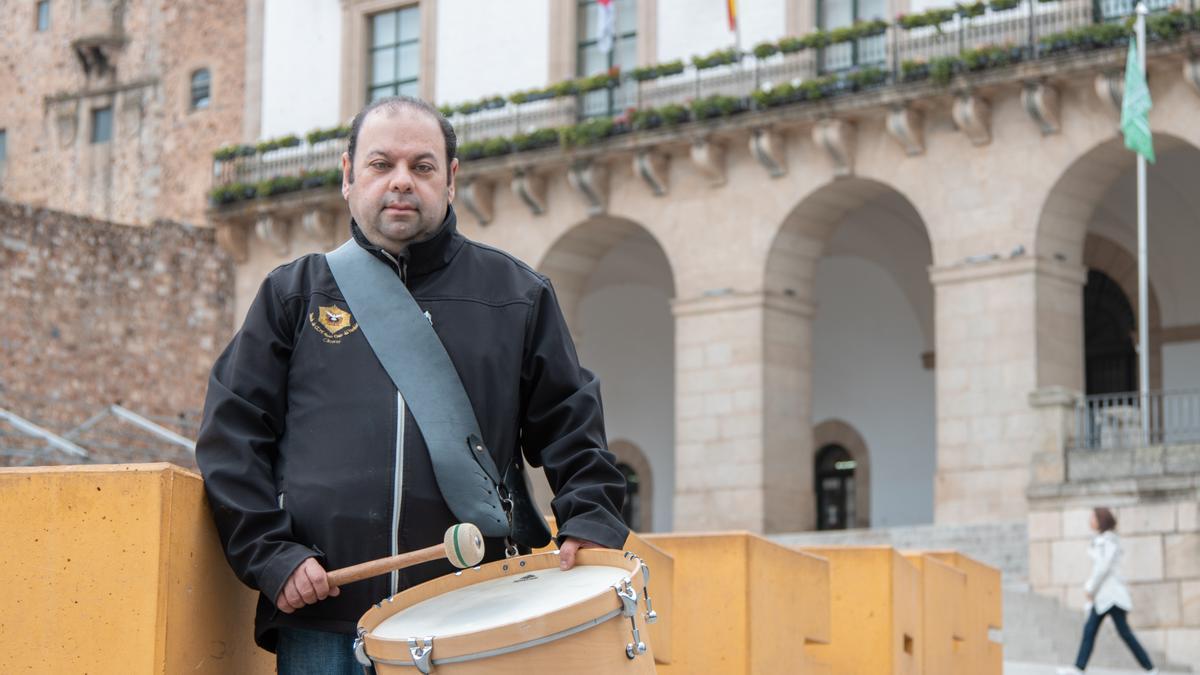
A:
[(568, 620)]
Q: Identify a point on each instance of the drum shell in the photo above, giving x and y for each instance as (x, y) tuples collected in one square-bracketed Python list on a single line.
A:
[(598, 649)]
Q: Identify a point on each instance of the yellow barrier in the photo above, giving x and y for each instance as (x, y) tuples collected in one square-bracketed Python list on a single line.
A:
[(943, 616), (984, 613), (745, 605), (662, 590), (875, 597), (117, 569)]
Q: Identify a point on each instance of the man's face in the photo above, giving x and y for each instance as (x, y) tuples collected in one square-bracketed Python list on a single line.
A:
[(400, 190)]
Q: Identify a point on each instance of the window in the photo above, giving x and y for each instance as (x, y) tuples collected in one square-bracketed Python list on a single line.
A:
[(840, 13), (102, 125), (201, 89), (592, 60), (395, 53), (43, 16), (3, 144)]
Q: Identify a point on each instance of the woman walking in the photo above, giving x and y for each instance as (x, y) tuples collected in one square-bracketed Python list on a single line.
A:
[(1106, 594)]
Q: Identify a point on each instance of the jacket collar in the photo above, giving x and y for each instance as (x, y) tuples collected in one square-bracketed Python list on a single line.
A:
[(424, 257)]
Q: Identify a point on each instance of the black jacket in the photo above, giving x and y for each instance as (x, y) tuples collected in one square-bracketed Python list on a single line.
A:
[(304, 438)]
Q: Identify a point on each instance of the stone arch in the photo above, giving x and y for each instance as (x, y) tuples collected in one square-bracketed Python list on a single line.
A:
[(837, 432), (1071, 203), (629, 453), (574, 257), (801, 238)]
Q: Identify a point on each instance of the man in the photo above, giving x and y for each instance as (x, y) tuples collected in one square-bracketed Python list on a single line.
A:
[(312, 460)]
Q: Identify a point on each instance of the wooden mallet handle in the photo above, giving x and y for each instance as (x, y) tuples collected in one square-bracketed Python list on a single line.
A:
[(462, 546)]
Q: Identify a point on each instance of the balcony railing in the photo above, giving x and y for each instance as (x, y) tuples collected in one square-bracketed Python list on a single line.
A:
[(1018, 30), (1116, 421)]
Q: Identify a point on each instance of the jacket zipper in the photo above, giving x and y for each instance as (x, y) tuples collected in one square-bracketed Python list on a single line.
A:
[(398, 497)]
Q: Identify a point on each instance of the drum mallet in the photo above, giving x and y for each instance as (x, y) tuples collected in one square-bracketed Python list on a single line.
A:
[(462, 546)]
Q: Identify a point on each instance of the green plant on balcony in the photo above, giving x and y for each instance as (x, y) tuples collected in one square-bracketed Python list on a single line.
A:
[(1097, 36), (972, 10), (721, 57), (223, 195), (317, 179), (983, 58), (1003, 5), (564, 88), (231, 152), (607, 80), (541, 138), (320, 135), (586, 133), (470, 150), (816, 40), (913, 70), (764, 50), (716, 106), (279, 185), (943, 68), (932, 17), (791, 45), (1171, 24), (867, 78), (669, 115), (495, 147), (289, 141)]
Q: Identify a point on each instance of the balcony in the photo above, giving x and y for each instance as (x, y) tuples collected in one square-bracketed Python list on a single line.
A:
[(1129, 420), (1026, 40)]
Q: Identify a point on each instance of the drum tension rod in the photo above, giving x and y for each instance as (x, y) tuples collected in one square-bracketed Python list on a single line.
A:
[(651, 615), (629, 600)]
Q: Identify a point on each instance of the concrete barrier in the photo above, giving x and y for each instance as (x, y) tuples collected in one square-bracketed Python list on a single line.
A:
[(117, 569), (984, 613), (943, 616), (743, 604), (875, 598)]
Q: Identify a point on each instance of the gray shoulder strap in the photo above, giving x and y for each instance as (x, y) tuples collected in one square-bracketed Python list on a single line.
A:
[(409, 350)]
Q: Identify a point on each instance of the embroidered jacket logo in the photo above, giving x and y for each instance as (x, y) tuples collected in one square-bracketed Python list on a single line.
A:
[(332, 323)]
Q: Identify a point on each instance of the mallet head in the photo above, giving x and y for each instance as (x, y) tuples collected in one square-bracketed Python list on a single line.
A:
[(464, 545)]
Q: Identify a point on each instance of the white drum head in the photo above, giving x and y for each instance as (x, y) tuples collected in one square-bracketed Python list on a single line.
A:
[(499, 602)]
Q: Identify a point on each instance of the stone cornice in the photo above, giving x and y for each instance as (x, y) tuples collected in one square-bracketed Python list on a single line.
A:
[(966, 272), (729, 300)]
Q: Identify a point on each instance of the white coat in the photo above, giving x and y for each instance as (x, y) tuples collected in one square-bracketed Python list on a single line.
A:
[(1105, 584)]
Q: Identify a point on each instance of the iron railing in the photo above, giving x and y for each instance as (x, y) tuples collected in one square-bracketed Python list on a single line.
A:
[(1019, 28), (1116, 421)]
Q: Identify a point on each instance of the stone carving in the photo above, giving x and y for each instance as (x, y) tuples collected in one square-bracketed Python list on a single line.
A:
[(1041, 102), (478, 196), (766, 146), (836, 137), (973, 115), (651, 167), (906, 125), (709, 157), (530, 188)]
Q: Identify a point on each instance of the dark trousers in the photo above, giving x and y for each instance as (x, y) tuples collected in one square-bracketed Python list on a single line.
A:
[(1089, 638)]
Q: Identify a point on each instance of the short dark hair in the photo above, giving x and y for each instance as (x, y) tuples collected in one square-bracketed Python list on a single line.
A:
[(1105, 519), (399, 103)]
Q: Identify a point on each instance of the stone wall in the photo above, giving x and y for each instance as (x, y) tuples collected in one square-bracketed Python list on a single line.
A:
[(97, 313), (137, 58), (1159, 525)]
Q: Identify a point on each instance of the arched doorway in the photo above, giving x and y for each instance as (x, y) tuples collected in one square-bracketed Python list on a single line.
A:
[(615, 285), (637, 511), (855, 255), (835, 488)]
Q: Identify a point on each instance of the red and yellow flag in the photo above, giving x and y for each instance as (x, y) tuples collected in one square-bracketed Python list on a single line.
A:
[(731, 10)]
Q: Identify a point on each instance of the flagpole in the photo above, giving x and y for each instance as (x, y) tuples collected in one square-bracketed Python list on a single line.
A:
[(1143, 284)]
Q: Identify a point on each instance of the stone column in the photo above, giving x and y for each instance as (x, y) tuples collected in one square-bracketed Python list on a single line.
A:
[(743, 439), (1004, 329)]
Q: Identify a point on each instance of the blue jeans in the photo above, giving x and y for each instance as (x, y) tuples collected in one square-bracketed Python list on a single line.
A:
[(1089, 638), (311, 652)]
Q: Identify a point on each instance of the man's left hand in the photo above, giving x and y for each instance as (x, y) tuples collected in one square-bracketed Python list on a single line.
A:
[(566, 552)]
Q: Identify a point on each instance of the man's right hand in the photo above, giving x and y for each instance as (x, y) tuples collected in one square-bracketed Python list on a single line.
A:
[(307, 585)]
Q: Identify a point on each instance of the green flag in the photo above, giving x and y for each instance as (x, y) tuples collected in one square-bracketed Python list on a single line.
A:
[(1135, 107)]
